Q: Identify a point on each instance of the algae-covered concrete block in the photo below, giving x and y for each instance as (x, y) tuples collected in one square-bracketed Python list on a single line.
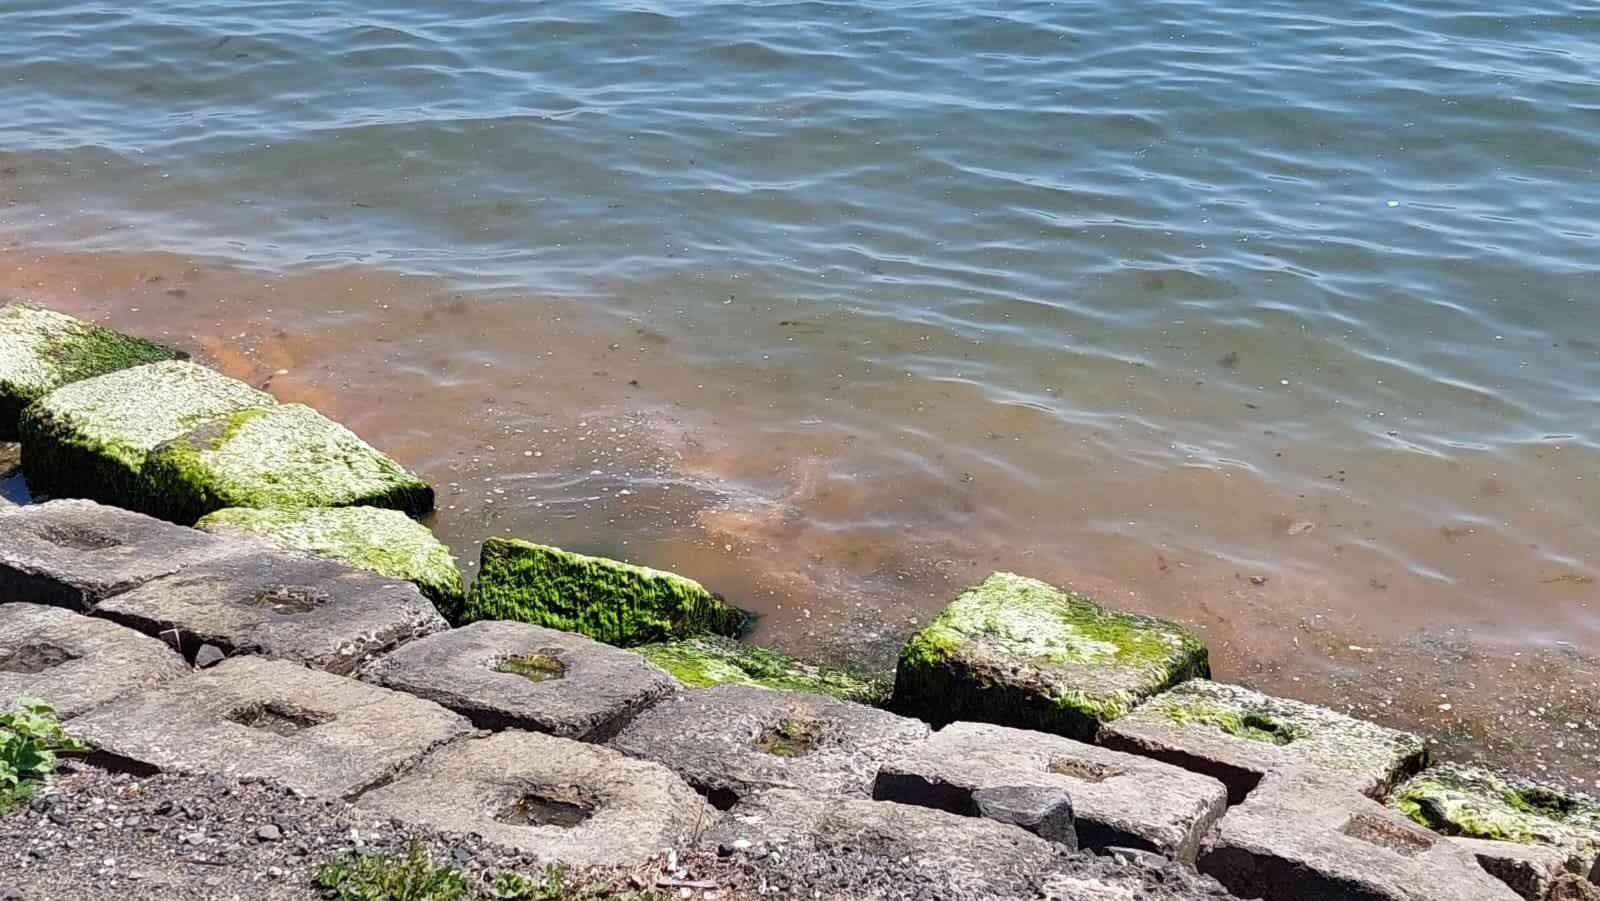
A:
[(76, 663), (1118, 800), (560, 800), (93, 438), (386, 542), (78, 553), (41, 350), (613, 602), (520, 676), (731, 740), (1238, 735), (252, 718), (1019, 652), (258, 600), (1299, 836), (285, 455), (711, 660), (1473, 802)]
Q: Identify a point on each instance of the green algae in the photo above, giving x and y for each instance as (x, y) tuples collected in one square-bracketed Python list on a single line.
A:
[(285, 456), (93, 438), (1469, 801), (41, 350), (1252, 725), (1020, 652), (386, 542), (533, 667), (613, 602), (705, 661)]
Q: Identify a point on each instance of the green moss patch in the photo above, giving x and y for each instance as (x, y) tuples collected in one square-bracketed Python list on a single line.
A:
[(1254, 725), (386, 542), (94, 438), (1469, 801), (706, 661), (1018, 652), (617, 603), (42, 350)]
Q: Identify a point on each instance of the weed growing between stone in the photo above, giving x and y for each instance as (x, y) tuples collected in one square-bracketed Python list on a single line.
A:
[(30, 740), (415, 877)]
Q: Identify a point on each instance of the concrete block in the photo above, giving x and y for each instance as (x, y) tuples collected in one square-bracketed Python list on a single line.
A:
[(76, 663), (1530, 870)]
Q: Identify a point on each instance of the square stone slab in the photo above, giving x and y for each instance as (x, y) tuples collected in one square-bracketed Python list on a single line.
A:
[(557, 799), (1118, 800), (505, 675), (731, 740), (1302, 836), (77, 553), (1530, 870), (1239, 735), (1018, 652), (279, 604), (252, 718), (76, 663)]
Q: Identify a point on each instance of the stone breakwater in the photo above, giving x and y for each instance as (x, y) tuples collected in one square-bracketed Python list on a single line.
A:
[(219, 585)]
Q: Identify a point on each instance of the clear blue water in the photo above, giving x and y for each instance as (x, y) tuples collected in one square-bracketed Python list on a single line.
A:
[(1069, 287)]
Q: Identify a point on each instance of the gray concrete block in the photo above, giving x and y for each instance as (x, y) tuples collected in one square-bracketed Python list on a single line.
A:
[(520, 676), (1239, 735), (1300, 835), (78, 553), (279, 604), (253, 718), (1118, 800), (76, 663), (1530, 870), (732, 740), (561, 800)]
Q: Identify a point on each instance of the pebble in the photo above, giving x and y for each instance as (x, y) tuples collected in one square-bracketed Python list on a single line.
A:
[(269, 833)]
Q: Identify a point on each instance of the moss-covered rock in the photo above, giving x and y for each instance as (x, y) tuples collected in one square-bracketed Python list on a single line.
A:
[(707, 660), (41, 350), (386, 542), (285, 455), (614, 602), (1477, 803), (93, 438), (1018, 652)]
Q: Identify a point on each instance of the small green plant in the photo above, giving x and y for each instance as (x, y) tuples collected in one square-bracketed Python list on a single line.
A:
[(372, 877), (30, 740)]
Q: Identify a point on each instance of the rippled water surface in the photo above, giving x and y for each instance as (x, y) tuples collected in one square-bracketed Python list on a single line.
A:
[(1276, 318)]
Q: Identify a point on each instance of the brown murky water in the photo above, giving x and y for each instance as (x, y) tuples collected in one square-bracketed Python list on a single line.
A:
[(842, 477)]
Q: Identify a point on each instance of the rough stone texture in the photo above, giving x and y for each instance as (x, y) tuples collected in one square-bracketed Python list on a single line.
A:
[(78, 553), (1454, 799), (710, 660), (732, 740), (317, 733), (561, 800), (93, 438), (1530, 870), (1300, 836), (278, 456), (1238, 735), (981, 858), (279, 604), (1044, 811), (515, 675), (1118, 800), (386, 542), (12, 489), (1018, 652), (41, 350), (75, 663), (613, 602)]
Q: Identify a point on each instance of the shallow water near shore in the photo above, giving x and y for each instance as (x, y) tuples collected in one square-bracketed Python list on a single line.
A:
[(1280, 324)]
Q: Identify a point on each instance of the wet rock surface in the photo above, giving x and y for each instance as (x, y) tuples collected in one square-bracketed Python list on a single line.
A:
[(733, 740), (75, 663), (249, 717), (705, 661), (514, 675), (279, 604)]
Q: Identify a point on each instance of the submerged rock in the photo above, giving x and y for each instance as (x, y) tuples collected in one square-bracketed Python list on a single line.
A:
[(706, 661), (1477, 803), (93, 438), (278, 456), (41, 350), (613, 602), (1019, 652), (386, 542)]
